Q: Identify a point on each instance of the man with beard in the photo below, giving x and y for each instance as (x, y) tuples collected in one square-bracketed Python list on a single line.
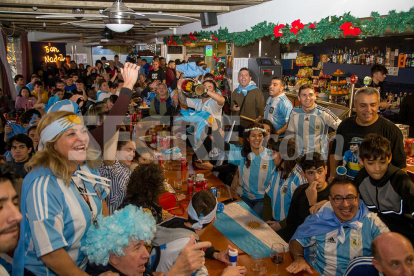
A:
[(366, 121), (10, 216)]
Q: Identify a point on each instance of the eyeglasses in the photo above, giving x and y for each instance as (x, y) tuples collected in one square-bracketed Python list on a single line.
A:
[(340, 199)]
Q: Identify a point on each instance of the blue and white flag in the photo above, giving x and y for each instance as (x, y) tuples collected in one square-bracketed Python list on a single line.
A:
[(198, 117), (240, 224), (65, 105)]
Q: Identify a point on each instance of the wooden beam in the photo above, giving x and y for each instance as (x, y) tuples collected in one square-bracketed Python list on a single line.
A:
[(94, 5)]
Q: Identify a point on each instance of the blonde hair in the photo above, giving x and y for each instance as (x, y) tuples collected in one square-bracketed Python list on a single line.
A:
[(92, 116), (50, 158)]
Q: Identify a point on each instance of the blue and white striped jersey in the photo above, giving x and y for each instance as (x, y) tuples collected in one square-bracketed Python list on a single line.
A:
[(311, 129), (362, 266), (281, 191), (253, 178), (100, 96), (119, 176), (277, 110), (328, 256), (209, 105), (59, 218)]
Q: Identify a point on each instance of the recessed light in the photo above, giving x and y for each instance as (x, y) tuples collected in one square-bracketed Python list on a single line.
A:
[(358, 40), (408, 38)]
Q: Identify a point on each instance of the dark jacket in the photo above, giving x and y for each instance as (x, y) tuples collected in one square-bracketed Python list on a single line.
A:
[(392, 197), (158, 107), (96, 270)]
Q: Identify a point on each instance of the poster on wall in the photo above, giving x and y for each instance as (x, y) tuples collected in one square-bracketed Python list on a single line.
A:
[(209, 50), (238, 63), (51, 53)]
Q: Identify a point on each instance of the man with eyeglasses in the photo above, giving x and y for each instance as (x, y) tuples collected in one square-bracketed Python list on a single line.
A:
[(343, 230)]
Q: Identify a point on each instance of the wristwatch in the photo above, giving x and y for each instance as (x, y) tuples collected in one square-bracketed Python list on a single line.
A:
[(298, 256)]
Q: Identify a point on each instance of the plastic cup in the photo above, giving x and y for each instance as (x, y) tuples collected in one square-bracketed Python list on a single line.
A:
[(341, 170), (178, 184)]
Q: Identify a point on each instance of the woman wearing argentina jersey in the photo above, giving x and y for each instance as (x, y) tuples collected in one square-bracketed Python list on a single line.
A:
[(254, 162), (61, 197), (286, 177)]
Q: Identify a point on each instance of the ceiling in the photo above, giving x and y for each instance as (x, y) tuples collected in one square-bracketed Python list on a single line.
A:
[(188, 8)]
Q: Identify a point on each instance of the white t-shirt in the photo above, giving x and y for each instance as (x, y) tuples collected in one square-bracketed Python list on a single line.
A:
[(211, 106)]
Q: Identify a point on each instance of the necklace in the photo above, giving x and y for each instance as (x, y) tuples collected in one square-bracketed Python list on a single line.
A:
[(83, 192)]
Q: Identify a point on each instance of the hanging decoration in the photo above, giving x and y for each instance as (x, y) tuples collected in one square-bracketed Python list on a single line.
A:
[(329, 27)]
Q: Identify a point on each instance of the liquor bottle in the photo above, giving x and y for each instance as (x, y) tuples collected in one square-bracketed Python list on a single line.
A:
[(412, 60), (405, 95), (339, 58), (25, 108), (334, 57), (362, 61), (164, 131), (350, 57), (407, 61), (345, 56), (373, 58), (355, 58), (330, 58), (368, 58)]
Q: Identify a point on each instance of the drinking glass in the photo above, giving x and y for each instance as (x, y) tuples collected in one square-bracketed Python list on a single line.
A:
[(255, 260), (277, 253), (178, 185), (261, 268)]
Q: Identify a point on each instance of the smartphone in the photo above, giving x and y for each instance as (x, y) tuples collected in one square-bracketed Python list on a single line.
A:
[(230, 200), (199, 161), (235, 104)]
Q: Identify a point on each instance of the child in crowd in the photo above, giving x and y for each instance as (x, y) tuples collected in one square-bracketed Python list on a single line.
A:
[(286, 177), (307, 196), (386, 189)]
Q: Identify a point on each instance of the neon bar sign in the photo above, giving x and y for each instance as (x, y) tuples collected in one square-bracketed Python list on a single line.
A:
[(56, 57)]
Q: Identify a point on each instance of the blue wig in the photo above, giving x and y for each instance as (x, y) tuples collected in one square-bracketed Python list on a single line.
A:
[(115, 231)]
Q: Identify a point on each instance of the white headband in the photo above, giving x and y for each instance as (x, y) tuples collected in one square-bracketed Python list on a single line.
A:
[(254, 128), (202, 219), (58, 126)]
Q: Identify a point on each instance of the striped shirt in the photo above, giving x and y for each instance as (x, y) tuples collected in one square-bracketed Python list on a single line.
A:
[(281, 191), (312, 128), (58, 217), (330, 257), (362, 266), (210, 105), (119, 176), (253, 178), (100, 96), (277, 110)]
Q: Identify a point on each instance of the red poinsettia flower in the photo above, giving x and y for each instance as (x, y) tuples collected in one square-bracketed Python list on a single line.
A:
[(349, 29), (192, 37), (276, 30), (215, 38), (175, 43), (312, 26), (296, 26)]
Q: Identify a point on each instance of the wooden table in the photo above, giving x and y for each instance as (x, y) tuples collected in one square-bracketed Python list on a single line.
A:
[(218, 240)]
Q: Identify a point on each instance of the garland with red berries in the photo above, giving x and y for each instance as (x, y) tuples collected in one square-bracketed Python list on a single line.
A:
[(313, 32)]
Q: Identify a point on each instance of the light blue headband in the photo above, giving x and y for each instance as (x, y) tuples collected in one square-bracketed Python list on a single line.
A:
[(58, 126)]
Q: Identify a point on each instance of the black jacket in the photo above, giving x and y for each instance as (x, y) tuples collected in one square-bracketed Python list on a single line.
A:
[(392, 197), (96, 270)]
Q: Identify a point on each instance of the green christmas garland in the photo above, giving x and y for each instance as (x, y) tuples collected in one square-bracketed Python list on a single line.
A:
[(314, 32)]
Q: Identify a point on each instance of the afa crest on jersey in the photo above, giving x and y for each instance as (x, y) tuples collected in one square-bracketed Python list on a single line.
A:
[(264, 167), (271, 110)]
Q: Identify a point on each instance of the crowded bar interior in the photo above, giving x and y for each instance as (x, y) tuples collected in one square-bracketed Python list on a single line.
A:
[(209, 137)]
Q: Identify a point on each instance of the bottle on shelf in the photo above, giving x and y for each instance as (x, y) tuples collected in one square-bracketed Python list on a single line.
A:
[(164, 131), (412, 61), (368, 58), (362, 61), (407, 61), (334, 57)]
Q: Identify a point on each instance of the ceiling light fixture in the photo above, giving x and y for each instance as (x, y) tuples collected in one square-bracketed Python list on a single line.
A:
[(120, 17)]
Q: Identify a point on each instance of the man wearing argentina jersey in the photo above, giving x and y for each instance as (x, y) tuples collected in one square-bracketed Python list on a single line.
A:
[(278, 106), (309, 123), (210, 101), (255, 166), (342, 230)]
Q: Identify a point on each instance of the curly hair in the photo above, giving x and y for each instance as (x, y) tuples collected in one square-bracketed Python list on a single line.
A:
[(115, 232), (145, 186), (246, 144)]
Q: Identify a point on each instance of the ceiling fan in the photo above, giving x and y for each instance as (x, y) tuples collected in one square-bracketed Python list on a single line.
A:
[(118, 17)]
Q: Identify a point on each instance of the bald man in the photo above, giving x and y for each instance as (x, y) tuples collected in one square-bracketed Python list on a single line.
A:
[(393, 255)]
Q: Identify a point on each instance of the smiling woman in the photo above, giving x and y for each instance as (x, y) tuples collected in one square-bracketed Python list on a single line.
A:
[(62, 195)]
